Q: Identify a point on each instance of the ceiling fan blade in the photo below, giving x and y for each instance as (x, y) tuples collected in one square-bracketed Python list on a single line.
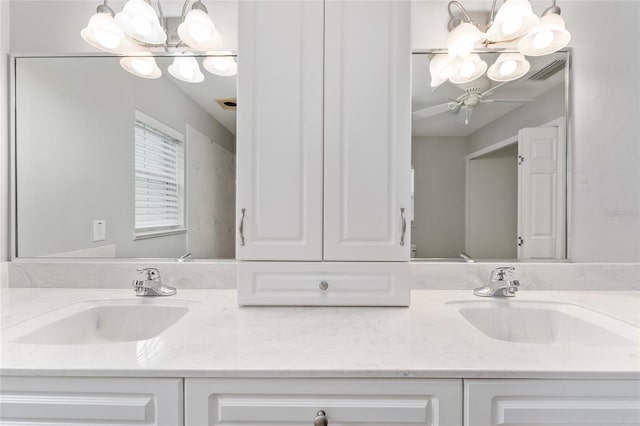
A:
[(490, 91), (486, 101), (431, 111)]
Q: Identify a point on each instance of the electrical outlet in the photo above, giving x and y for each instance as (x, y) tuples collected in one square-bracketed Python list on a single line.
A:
[(99, 230)]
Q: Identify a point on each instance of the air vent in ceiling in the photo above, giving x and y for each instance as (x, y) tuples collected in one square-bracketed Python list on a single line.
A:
[(228, 103), (549, 70)]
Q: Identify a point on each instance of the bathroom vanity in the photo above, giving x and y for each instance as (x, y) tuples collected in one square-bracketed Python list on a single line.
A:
[(219, 364)]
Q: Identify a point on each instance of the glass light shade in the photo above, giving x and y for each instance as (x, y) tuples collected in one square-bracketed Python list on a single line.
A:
[(198, 31), (186, 68), (550, 35), (224, 66), (139, 21), (509, 66), (141, 66), (463, 38), (467, 69), (514, 19), (440, 69), (104, 34)]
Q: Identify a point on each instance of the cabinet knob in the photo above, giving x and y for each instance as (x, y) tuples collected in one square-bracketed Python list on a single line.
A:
[(321, 419), (323, 286)]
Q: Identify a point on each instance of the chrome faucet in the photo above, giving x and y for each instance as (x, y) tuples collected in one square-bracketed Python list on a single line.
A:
[(499, 284), (151, 285)]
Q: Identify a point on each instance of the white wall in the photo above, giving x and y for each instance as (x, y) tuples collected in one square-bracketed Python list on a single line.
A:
[(604, 109), (4, 141), (439, 203)]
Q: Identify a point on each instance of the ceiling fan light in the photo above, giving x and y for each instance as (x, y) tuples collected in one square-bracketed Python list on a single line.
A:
[(141, 66), (440, 69), (514, 19), (467, 69), (139, 21), (199, 32), (462, 39), (186, 68), (223, 66), (550, 35), (103, 33), (508, 67)]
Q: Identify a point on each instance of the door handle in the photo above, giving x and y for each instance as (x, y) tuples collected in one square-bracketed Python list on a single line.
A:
[(404, 226), (241, 229)]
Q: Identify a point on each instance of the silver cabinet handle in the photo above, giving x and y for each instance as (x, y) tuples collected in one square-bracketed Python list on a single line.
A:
[(321, 419), (404, 226), (241, 229)]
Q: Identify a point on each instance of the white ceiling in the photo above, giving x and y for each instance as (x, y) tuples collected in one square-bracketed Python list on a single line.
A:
[(423, 96)]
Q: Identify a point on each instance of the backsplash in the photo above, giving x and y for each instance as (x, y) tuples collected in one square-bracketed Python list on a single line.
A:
[(424, 275)]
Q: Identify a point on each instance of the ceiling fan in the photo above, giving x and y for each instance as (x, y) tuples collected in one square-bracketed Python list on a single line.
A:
[(475, 93)]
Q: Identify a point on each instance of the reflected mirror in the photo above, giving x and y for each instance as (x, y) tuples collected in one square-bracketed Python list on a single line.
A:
[(112, 165), (489, 163)]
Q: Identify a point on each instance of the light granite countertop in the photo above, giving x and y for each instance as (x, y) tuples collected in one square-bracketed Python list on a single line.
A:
[(216, 338)]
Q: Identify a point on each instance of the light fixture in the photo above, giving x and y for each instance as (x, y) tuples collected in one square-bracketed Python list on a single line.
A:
[(550, 35), (186, 68), (440, 67), (103, 33), (142, 66), (198, 31), (139, 21), (467, 69), (508, 67), (514, 19), (224, 66)]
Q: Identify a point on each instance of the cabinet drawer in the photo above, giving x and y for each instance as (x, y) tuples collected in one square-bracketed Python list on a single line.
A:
[(90, 401), (552, 402), (297, 402), (323, 283)]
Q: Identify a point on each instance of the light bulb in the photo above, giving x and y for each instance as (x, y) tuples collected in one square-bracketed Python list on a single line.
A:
[(508, 67), (512, 25), (200, 32), (106, 38), (543, 39), (467, 69), (141, 66), (221, 64), (187, 71), (141, 25)]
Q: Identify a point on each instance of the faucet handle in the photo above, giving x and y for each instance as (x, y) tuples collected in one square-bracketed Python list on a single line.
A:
[(500, 273), (150, 273)]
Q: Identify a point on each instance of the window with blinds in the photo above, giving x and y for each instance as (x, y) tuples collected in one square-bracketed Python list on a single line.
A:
[(159, 177)]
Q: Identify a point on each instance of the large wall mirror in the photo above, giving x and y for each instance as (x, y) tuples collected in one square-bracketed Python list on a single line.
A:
[(112, 165), (490, 163)]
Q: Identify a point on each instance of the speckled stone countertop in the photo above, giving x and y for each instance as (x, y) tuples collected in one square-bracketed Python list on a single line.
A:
[(216, 338)]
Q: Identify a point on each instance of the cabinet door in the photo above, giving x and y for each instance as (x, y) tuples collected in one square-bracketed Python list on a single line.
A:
[(552, 402), (90, 401), (367, 131), (279, 141), (296, 402)]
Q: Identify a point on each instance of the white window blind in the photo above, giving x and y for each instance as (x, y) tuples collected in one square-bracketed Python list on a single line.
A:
[(159, 165)]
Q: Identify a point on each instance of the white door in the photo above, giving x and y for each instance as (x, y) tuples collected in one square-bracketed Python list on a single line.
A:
[(541, 194), (279, 141), (367, 126)]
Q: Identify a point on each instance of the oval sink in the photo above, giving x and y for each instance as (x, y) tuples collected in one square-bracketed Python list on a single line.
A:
[(545, 323), (95, 322)]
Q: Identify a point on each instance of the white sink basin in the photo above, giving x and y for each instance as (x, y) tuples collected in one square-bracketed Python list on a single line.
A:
[(94, 322), (545, 323)]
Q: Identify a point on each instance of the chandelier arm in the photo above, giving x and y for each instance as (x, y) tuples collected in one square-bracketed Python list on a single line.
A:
[(462, 9), (184, 9)]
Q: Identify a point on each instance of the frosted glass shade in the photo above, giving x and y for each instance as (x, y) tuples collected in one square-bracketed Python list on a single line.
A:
[(440, 68), (186, 68), (509, 66), (141, 66), (550, 35), (467, 69), (139, 21), (514, 19), (198, 31), (103, 33), (463, 39), (224, 66)]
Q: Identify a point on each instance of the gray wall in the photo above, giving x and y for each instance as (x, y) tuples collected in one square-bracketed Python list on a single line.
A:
[(604, 176), (439, 173), (75, 155)]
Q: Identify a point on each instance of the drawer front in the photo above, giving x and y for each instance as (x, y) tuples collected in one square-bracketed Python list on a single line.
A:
[(552, 402), (298, 402), (90, 401), (323, 283)]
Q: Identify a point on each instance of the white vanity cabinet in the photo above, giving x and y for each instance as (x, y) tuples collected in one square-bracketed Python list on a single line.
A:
[(386, 402), (323, 131), (90, 401), (551, 402)]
